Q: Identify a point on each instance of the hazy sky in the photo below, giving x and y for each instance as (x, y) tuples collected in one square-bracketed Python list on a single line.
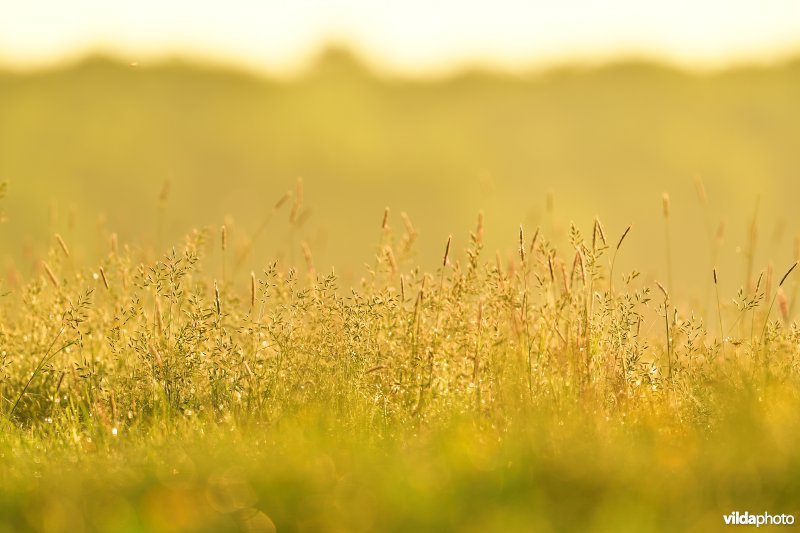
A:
[(409, 35)]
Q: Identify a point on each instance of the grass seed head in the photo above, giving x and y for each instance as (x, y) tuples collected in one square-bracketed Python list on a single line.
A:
[(390, 258), (783, 279), (534, 240), (298, 202), (252, 291), (783, 305), (581, 266), (663, 291), (164, 195), (51, 275), (385, 223), (701, 190), (155, 353), (721, 231), (598, 231), (307, 256), (217, 302), (104, 277), (564, 279), (282, 200), (758, 282), (62, 245), (409, 226), (624, 234)]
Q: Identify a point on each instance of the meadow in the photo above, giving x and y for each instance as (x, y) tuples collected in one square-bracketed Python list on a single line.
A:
[(546, 393), (577, 312)]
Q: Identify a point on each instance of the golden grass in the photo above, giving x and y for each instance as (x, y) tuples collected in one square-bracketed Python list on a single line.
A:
[(518, 395)]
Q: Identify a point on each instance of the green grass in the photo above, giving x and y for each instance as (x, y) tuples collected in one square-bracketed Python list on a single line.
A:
[(481, 396)]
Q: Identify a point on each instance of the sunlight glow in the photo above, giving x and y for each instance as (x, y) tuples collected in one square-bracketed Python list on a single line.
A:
[(412, 36)]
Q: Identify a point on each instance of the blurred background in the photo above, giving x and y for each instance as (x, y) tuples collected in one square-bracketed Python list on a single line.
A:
[(149, 119)]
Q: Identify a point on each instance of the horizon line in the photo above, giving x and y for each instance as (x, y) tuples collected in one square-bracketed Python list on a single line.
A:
[(310, 62)]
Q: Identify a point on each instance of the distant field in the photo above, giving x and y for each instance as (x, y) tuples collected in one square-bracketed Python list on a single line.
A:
[(87, 150)]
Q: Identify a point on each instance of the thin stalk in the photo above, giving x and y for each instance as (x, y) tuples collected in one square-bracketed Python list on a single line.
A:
[(772, 302), (43, 361), (528, 347), (259, 230), (614, 260), (667, 329), (476, 360), (750, 252), (719, 311), (668, 243)]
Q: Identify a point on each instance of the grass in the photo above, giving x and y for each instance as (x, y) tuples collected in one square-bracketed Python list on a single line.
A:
[(487, 395)]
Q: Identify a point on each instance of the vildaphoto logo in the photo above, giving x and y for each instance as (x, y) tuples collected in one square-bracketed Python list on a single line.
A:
[(746, 519)]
